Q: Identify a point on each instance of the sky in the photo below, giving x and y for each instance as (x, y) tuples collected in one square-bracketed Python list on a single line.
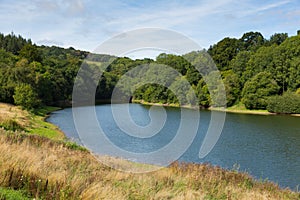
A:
[(85, 24)]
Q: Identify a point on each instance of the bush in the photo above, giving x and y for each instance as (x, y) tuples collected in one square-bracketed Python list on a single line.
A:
[(26, 97), (288, 103), (10, 194)]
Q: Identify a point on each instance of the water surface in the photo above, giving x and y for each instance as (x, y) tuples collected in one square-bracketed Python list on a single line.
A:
[(267, 147)]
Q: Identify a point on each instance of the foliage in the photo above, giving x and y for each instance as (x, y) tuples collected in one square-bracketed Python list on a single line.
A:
[(278, 38), (30, 52), (177, 62), (251, 41), (12, 43), (223, 52), (232, 87), (257, 89), (10, 194), (203, 94), (26, 97), (50, 72), (288, 103)]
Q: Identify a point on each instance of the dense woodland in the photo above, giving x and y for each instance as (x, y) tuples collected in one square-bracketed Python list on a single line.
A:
[(257, 72)]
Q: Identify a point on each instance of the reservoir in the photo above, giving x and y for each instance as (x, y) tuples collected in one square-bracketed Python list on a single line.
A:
[(265, 146)]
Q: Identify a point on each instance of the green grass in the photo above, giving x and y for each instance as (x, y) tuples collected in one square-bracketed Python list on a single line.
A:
[(10, 194), (13, 118), (241, 107), (45, 110), (11, 124), (40, 127), (74, 146)]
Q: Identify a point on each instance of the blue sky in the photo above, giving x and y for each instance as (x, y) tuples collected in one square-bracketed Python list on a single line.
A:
[(86, 24)]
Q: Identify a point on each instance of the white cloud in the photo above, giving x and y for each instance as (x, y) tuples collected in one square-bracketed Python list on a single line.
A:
[(250, 9), (49, 42), (168, 16), (84, 24), (272, 5)]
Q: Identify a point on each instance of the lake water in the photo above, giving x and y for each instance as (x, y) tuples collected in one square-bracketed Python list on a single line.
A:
[(267, 147)]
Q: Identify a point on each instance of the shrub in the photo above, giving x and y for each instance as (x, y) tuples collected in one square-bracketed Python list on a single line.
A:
[(288, 103), (10, 194)]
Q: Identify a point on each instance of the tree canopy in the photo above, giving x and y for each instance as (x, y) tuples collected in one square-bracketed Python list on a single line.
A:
[(256, 71)]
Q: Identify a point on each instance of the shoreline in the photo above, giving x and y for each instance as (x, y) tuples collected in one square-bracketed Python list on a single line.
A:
[(118, 161), (227, 110), (48, 113), (76, 173)]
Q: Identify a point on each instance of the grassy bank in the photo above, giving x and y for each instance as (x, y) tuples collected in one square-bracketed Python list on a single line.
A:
[(14, 118), (35, 166), (174, 105), (51, 170), (238, 108)]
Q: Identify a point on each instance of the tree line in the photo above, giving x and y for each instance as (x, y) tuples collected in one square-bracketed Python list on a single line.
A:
[(258, 72)]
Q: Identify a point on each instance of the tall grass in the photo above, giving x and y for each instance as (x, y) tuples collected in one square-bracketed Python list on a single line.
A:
[(50, 169), (10, 124), (15, 119)]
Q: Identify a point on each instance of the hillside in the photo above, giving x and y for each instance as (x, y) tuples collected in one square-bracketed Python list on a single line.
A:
[(260, 73)]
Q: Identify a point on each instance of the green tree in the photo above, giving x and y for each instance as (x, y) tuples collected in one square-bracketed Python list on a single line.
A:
[(193, 76), (26, 97), (12, 43), (192, 97), (294, 74), (177, 62), (232, 87), (155, 93), (278, 38), (286, 63), (280, 68), (239, 63), (223, 52), (257, 90), (181, 88), (203, 95), (258, 62), (30, 52), (288, 103), (251, 41)]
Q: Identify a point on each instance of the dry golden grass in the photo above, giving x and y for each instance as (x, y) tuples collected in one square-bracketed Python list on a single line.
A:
[(13, 117), (8, 111), (51, 170)]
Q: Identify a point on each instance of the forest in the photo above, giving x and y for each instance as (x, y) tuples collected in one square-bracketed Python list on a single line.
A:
[(257, 72)]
